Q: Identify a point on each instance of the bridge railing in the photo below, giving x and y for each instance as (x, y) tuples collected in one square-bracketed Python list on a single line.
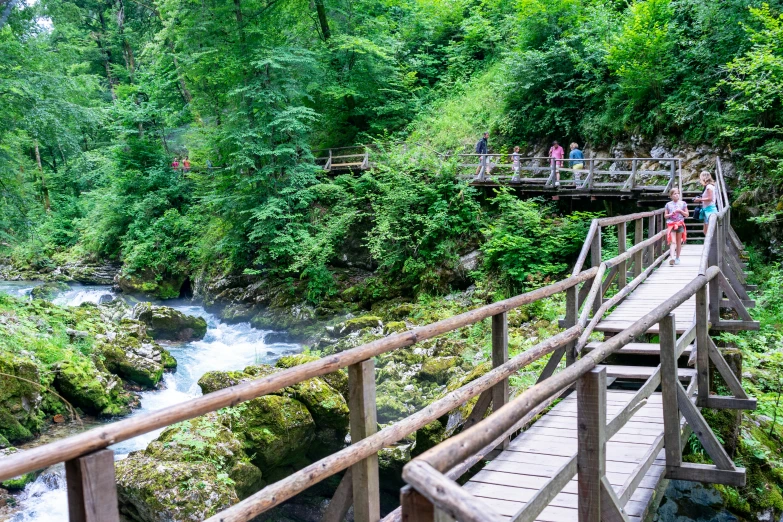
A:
[(433, 488), (90, 464)]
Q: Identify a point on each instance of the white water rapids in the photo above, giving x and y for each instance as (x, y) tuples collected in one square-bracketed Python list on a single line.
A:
[(225, 347)]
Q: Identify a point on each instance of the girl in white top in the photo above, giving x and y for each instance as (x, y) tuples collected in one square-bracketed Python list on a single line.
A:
[(675, 213), (707, 198), (515, 166)]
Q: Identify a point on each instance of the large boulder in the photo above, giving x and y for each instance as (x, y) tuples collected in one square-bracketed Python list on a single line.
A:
[(142, 362), (149, 283), (90, 388), (166, 323), (49, 291), (20, 399), (276, 430), (152, 490)]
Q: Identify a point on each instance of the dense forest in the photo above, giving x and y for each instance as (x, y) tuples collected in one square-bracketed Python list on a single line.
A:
[(98, 97)]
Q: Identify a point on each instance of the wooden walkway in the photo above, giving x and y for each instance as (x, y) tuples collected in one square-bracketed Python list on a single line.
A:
[(660, 286), (534, 457)]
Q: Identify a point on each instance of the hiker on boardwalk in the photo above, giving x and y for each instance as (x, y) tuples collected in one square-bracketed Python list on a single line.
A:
[(675, 213), (481, 148), (175, 164), (186, 164), (557, 153), (577, 160), (707, 198), (515, 165)]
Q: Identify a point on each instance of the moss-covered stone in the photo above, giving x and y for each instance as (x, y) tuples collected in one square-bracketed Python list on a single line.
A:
[(337, 380), (217, 380), (166, 323), (152, 490), (394, 327), (16, 483), (429, 436), (49, 291), (276, 430), (247, 478), (149, 283), (20, 398), (87, 387), (135, 360), (437, 368), (356, 324)]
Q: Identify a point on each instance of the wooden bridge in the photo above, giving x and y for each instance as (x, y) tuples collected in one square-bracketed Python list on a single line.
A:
[(597, 454), (623, 177)]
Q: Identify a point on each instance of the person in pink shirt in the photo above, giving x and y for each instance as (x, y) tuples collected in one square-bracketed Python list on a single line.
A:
[(557, 152)]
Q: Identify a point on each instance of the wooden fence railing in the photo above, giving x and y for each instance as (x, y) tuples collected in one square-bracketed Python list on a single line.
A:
[(433, 492), (620, 174), (89, 462)]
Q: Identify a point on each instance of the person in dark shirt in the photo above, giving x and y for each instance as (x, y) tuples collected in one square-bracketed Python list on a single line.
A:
[(482, 149)]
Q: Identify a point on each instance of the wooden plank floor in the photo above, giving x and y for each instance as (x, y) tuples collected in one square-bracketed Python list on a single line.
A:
[(657, 288), (514, 476)]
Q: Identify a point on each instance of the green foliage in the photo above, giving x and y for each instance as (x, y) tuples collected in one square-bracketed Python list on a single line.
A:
[(527, 244)]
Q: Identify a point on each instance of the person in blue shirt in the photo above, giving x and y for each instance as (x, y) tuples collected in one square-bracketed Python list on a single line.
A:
[(577, 160)]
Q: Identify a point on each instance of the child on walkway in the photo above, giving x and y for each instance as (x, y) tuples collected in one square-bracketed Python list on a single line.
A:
[(675, 213), (707, 198), (515, 166)]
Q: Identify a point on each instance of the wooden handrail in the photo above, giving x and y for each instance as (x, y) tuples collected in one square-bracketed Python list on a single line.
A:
[(104, 436), (459, 447)]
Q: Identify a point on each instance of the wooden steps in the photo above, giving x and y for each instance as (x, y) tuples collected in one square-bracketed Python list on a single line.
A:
[(643, 372), (638, 348)]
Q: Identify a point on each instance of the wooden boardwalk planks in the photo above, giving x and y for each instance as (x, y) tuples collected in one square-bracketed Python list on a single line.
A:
[(514, 476), (660, 286)]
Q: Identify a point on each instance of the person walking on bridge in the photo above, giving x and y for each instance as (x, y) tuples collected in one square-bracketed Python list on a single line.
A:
[(675, 213), (577, 160), (186, 165), (515, 165), (557, 154), (482, 148), (707, 198)]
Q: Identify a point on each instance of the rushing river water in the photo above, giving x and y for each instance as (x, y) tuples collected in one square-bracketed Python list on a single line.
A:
[(225, 347)]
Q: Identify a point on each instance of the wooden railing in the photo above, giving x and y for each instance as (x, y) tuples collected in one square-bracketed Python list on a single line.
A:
[(89, 463), (433, 492), (620, 174)]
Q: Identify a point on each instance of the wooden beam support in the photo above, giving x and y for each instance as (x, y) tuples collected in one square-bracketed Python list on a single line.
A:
[(364, 423), (415, 506), (341, 500), (611, 510), (479, 409), (638, 238), (669, 384), (499, 358), (591, 435), (92, 488), (703, 431), (595, 260), (702, 346), (621, 248), (707, 473)]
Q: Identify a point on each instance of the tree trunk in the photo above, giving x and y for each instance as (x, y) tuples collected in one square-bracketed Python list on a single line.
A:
[(127, 50), (322, 20), (106, 53), (44, 190)]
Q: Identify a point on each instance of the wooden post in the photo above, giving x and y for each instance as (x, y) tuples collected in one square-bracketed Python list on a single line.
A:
[(659, 244), (595, 260), (671, 411), (714, 288), (702, 346), (637, 238), (572, 312), (500, 357), (651, 231), (415, 506), (92, 488), (591, 449), (622, 268), (364, 422)]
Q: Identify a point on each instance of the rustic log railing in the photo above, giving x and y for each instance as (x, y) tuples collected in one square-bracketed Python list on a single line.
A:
[(89, 464), (434, 494), (616, 174)]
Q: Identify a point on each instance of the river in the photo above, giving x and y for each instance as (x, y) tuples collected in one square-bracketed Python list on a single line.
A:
[(224, 347)]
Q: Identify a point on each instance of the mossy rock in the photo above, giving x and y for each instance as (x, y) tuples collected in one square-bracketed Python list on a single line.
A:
[(166, 323), (204, 438), (437, 368), (218, 380), (151, 284), (356, 324), (87, 387), (337, 380), (49, 291), (429, 436), (20, 398), (135, 360), (391, 408), (276, 430), (247, 478), (325, 404), (394, 327), (16, 483), (151, 490)]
